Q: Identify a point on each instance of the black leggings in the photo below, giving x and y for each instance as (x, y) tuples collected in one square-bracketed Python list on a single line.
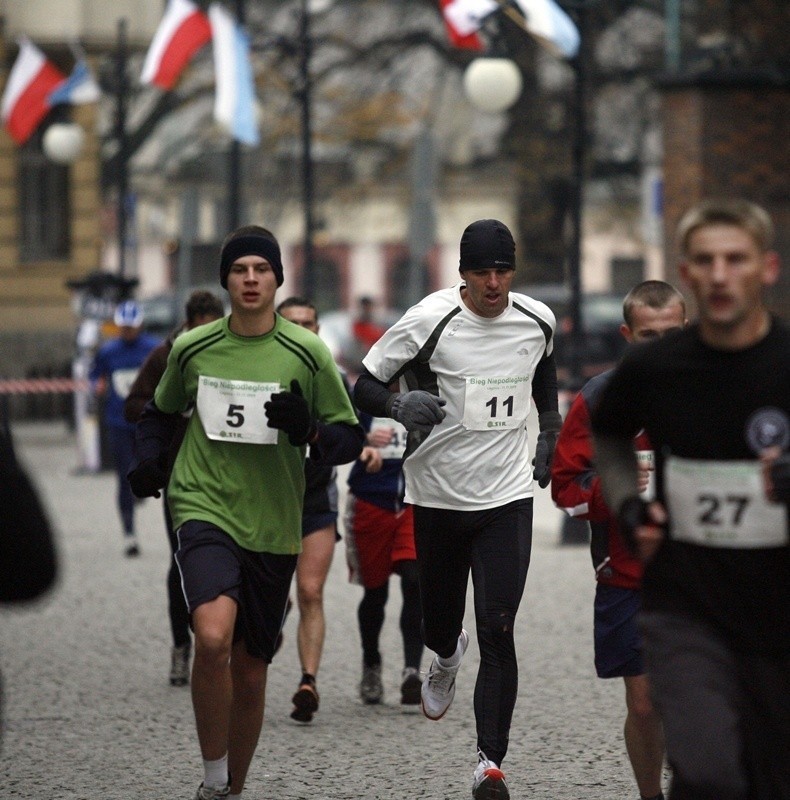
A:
[(495, 545), (371, 618), (176, 604)]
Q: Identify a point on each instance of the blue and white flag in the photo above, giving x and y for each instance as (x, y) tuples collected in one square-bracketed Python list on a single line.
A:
[(234, 102), (548, 23), (79, 87)]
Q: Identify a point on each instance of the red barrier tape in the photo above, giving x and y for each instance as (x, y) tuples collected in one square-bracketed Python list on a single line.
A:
[(41, 386)]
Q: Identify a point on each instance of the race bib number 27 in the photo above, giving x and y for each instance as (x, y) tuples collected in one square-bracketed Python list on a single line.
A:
[(722, 504), (232, 411)]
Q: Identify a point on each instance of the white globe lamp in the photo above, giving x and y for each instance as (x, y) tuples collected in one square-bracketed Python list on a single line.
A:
[(492, 84), (63, 142)]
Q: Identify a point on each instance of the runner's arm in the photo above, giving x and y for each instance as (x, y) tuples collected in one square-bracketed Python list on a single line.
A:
[(575, 483), (544, 385), (336, 443), (372, 395)]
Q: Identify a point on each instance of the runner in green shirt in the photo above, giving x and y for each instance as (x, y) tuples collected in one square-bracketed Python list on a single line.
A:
[(261, 390)]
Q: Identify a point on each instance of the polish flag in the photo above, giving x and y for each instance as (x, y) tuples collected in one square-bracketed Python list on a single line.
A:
[(184, 29), (234, 102), (461, 27), (25, 100)]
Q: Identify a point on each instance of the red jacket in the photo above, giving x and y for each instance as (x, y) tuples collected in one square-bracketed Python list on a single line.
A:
[(576, 489)]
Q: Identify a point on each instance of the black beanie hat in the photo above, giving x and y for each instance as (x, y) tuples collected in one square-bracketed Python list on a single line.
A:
[(487, 244), (251, 244)]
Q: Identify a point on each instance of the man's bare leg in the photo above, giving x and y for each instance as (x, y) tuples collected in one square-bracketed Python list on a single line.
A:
[(246, 714), (644, 736)]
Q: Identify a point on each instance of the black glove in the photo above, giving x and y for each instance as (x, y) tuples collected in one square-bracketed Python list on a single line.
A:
[(550, 423), (632, 515), (289, 412), (148, 478), (780, 478), (417, 410)]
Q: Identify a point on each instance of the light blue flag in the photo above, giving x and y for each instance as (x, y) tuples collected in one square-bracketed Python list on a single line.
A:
[(234, 103), (79, 87), (551, 25)]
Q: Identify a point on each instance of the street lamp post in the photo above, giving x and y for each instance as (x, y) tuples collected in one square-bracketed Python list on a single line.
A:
[(577, 201), (301, 45), (577, 531), (121, 92), (63, 142), (493, 84), (305, 99), (234, 154)]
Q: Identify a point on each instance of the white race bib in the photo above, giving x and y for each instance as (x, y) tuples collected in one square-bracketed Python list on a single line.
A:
[(397, 444), (722, 504), (232, 411), (122, 380), (496, 403)]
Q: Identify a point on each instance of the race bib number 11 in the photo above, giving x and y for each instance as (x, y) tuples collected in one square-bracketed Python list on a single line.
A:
[(496, 403), (232, 411)]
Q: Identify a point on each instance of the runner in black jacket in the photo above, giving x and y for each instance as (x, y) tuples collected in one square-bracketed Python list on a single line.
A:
[(715, 402)]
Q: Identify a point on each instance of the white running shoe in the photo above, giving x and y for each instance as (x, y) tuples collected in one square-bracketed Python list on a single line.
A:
[(488, 782), (438, 688), (210, 793)]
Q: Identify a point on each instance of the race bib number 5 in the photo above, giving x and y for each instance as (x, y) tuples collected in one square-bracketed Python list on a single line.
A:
[(722, 504), (232, 411), (496, 403)]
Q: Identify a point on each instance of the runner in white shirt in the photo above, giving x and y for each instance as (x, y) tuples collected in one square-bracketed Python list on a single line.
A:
[(470, 360)]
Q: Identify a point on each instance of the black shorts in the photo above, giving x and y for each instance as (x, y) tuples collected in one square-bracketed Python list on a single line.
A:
[(618, 643), (211, 564)]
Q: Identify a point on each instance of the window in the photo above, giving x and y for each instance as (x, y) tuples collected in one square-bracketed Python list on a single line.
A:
[(44, 204)]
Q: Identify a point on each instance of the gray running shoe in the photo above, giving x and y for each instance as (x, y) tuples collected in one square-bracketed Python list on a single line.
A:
[(438, 688), (410, 687), (210, 793), (371, 689), (179, 665)]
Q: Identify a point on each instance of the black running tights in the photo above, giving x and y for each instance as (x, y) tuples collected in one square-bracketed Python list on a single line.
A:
[(495, 546)]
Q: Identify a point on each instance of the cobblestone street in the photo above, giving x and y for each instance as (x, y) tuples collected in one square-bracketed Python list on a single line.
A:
[(89, 712)]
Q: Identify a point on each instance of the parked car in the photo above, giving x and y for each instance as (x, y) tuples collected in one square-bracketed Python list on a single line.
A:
[(602, 344)]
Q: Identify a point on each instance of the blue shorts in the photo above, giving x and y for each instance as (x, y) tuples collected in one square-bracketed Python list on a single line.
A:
[(211, 564), (618, 644), (320, 508)]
